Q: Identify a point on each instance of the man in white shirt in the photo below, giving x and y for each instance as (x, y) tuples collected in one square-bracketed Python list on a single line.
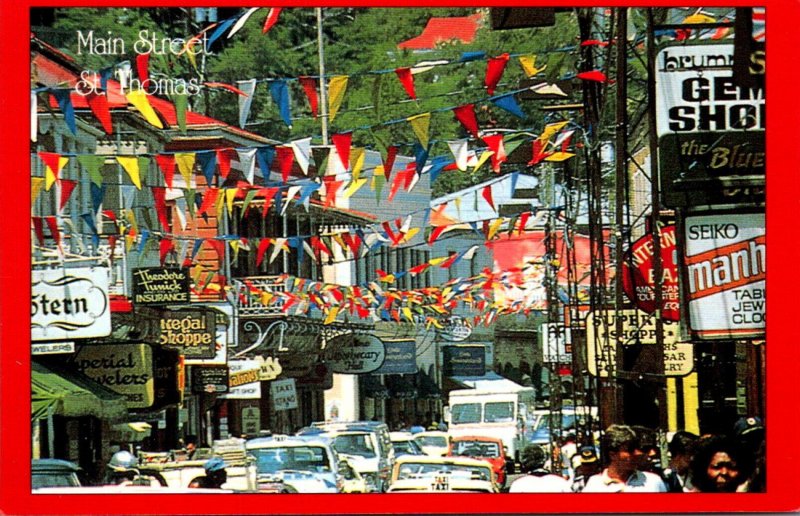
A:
[(538, 479), (625, 457)]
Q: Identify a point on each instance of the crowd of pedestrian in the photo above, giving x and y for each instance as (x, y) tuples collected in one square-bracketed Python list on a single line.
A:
[(632, 462)]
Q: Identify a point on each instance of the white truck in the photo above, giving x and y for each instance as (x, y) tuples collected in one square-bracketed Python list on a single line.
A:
[(502, 411)]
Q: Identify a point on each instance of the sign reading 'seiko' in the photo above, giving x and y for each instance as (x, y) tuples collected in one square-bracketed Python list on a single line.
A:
[(70, 304), (726, 270)]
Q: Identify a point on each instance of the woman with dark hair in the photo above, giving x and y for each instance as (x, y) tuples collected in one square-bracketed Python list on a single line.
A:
[(719, 465)]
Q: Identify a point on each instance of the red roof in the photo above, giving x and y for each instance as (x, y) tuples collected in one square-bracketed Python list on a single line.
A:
[(438, 30)]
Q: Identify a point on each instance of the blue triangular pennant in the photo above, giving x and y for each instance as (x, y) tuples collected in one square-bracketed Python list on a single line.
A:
[(280, 94), (65, 105), (208, 162), (265, 155), (509, 103)]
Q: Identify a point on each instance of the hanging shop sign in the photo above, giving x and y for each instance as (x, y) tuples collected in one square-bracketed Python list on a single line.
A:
[(269, 368), (52, 348), (168, 382), (191, 332), (726, 269), (638, 327), (123, 368), (210, 379), (638, 275), (243, 380), (556, 342), (160, 286), (401, 357), (455, 329), (711, 132), (463, 360), (283, 394), (70, 304), (251, 420), (355, 353), (224, 331)]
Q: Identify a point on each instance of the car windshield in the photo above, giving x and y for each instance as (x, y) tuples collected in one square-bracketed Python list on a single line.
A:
[(465, 413), (299, 458), (567, 421), (406, 448), (499, 412), (409, 470), (432, 440), (476, 449), (354, 444), (54, 479)]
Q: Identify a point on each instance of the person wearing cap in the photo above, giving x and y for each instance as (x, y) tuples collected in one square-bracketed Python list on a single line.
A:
[(215, 477), (538, 479), (622, 475), (585, 463)]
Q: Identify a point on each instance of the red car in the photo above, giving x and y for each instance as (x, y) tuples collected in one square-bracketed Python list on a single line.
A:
[(481, 447)]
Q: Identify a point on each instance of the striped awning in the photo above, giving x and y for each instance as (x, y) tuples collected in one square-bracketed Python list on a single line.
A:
[(71, 394)]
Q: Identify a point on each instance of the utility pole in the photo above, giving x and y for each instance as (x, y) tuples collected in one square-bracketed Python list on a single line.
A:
[(655, 227), (621, 154), (322, 93)]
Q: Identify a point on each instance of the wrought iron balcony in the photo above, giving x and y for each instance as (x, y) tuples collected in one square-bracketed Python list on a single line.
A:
[(250, 293)]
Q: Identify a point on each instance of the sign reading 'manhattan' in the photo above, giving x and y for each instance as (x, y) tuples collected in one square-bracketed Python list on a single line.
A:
[(157, 286), (70, 304)]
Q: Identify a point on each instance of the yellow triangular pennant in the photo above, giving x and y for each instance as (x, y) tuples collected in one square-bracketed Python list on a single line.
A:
[(485, 156), (550, 130), (493, 227), (559, 156), (230, 195), (36, 188), (185, 162), (421, 124), (355, 184), (332, 313), (357, 155), (139, 100), (528, 63), (50, 175), (336, 88), (131, 166)]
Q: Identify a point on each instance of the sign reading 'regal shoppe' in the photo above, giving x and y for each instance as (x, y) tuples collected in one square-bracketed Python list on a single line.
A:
[(192, 332), (70, 304), (726, 270), (154, 286)]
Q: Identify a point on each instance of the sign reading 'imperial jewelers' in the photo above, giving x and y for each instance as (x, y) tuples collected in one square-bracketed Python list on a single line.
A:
[(154, 286), (70, 304)]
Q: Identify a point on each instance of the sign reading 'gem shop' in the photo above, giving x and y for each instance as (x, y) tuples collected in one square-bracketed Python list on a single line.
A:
[(154, 286)]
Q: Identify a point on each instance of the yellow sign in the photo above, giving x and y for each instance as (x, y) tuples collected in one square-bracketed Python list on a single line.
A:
[(123, 368), (242, 377), (638, 327)]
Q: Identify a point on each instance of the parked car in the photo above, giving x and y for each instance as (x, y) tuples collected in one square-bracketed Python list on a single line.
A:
[(302, 465), (404, 444), (489, 449), (442, 474), (365, 445), (54, 473), (433, 443)]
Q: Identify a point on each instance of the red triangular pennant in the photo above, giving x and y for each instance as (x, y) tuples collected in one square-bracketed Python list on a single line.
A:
[(487, 194), (285, 157), (99, 106), (391, 154), (159, 198), (51, 159), (267, 194), (466, 115), (309, 85), (494, 70), (342, 142), (224, 157), (38, 228), (594, 75), (262, 248), (165, 246), (407, 80), (495, 144), (209, 201), (166, 162), (218, 245), (331, 187), (272, 18), (67, 186), (52, 225)]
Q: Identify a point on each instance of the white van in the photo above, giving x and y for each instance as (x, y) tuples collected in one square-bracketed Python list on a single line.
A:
[(493, 412)]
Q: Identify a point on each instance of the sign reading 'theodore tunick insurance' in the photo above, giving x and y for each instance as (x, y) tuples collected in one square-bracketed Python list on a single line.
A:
[(157, 286), (70, 304), (711, 131)]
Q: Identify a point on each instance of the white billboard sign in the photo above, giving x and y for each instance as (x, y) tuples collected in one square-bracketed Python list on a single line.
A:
[(726, 269), (696, 92), (70, 304)]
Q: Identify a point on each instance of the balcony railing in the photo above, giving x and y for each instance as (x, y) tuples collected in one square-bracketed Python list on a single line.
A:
[(249, 295)]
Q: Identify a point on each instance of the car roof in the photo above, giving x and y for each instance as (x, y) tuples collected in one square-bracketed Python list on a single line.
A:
[(401, 436), (427, 459), (486, 438), (432, 433), (287, 440), (53, 464)]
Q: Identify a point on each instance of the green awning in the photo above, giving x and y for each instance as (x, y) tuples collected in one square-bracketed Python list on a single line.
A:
[(72, 394)]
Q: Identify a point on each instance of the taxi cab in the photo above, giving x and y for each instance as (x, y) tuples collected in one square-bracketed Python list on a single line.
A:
[(489, 449), (419, 474)]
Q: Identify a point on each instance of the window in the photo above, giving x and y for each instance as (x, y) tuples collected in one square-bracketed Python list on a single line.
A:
[(465, 413), (499, 412)]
